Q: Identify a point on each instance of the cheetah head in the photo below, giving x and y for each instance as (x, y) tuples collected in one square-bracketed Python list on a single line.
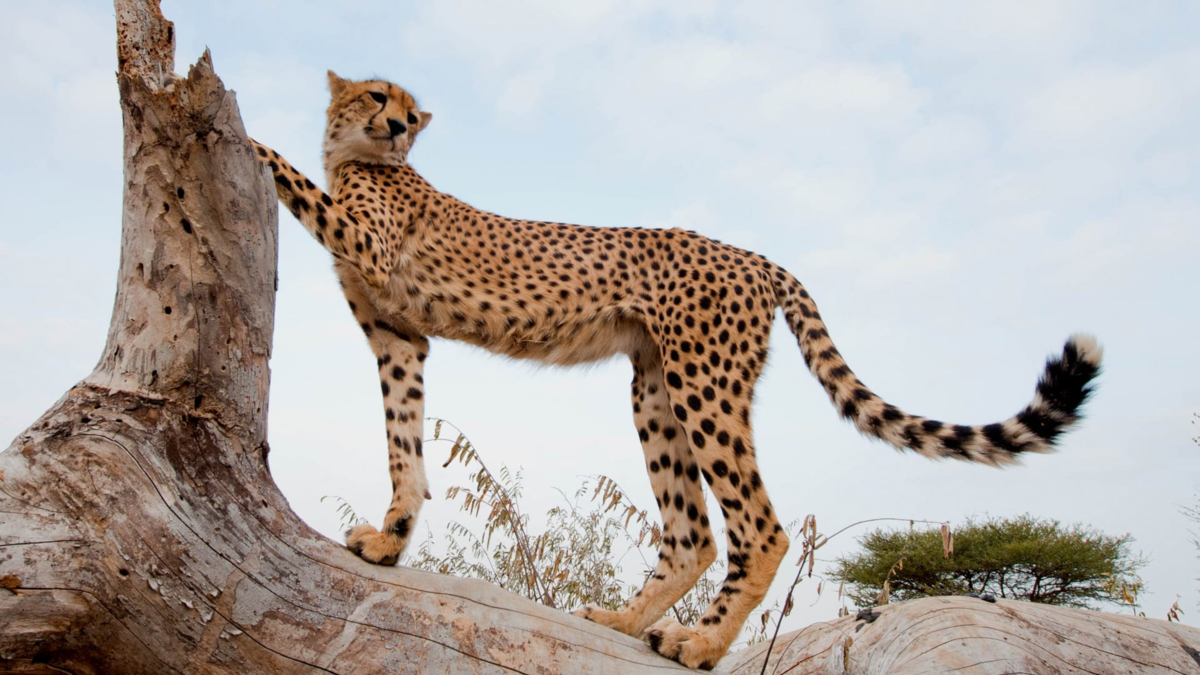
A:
[(372, 121)]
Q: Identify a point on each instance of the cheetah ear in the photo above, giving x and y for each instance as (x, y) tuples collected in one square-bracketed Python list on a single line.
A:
[(336, 84), (425, 117)]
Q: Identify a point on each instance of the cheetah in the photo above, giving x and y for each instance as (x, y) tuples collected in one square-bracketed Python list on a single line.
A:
[(692, 315)]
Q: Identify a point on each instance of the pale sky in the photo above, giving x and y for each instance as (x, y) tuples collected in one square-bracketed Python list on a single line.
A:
[(959, 185)]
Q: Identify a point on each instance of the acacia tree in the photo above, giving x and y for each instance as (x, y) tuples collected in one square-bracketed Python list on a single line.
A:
[(1023, 558)]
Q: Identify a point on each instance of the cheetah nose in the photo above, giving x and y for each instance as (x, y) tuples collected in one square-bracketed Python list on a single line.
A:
[(396, 127)]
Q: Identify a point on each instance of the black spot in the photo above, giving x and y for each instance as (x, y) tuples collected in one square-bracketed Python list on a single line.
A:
[(719, 468), (674, 380), (401, 527), (387, 327)]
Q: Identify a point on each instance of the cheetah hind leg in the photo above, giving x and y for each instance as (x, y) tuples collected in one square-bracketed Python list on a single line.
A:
[(687, 549), (685, 645), (722, 443)]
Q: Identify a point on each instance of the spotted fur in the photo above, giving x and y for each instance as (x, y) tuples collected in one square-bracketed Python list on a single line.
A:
[(693, 315)]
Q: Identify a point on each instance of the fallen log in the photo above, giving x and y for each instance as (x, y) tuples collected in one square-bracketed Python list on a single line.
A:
[(969, 636)]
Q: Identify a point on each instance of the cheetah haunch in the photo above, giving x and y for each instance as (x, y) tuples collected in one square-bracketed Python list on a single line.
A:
[(692, 314)]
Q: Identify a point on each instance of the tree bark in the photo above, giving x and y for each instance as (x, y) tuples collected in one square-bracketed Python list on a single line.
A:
[(967, 635), (141, 531)]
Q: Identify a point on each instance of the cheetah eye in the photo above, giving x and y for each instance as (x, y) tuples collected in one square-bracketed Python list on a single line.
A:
[(379, 98), (412, 119)]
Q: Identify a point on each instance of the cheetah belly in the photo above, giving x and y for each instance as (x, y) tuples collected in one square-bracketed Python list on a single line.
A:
[(523, 333)]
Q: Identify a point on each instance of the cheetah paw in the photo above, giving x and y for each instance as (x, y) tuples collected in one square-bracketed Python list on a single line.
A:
[(685, 645), (374, 546), (618, 621)]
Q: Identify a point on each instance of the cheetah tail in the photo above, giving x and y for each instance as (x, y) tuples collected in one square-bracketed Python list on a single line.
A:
[(1061, 391)]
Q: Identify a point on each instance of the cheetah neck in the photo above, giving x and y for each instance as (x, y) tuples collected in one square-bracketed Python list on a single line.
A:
[(394, 196), (338, 155)]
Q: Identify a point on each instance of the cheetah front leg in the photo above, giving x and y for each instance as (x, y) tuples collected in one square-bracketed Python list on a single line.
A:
[(400, 354), (687, 548), (352, 237)]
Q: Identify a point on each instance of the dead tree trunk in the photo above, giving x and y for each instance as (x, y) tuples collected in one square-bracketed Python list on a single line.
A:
[(141, 531)]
